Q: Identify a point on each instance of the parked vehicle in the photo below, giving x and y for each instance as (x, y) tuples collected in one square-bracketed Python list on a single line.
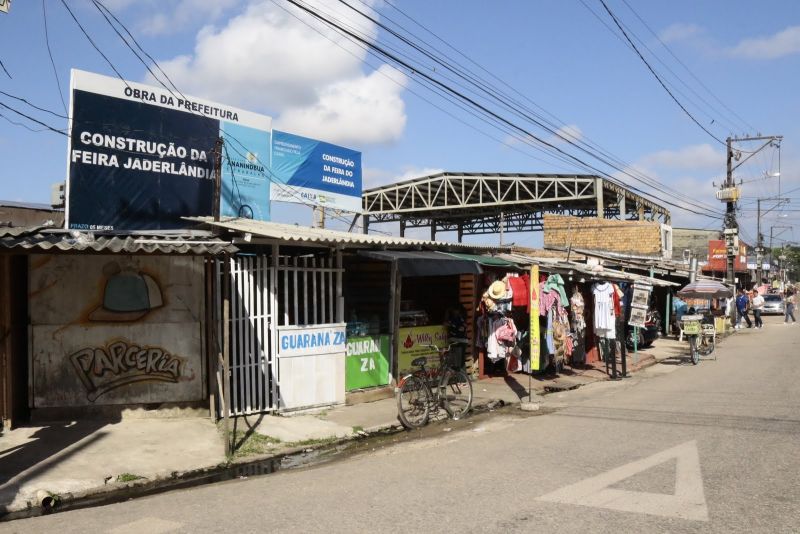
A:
[(773, 305), (648, 334)]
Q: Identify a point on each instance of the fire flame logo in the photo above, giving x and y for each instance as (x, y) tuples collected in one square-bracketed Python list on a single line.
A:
[(408, 342)]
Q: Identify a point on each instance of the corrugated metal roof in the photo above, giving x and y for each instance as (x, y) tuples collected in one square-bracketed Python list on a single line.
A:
[(16, 231), (425, 262), (39, 240), (297, 233), (484, 259), (563, 266)]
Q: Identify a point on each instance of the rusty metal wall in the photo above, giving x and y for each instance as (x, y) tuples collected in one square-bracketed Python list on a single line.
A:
[(116, 329)]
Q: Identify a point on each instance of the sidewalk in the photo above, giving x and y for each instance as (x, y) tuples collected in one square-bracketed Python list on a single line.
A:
[(76, 460)]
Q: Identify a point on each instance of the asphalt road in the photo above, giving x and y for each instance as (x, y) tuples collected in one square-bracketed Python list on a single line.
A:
[(711, 448)]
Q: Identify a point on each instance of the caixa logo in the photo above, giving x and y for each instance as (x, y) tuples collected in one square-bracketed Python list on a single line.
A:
[(120, 363)]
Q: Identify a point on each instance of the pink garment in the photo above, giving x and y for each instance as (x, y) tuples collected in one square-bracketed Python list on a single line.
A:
[(546, 300), (507, 332)]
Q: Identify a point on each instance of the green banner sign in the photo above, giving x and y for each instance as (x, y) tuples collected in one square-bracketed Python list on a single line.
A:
[(367, 362)]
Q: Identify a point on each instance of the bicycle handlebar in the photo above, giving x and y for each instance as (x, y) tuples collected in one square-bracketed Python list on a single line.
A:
[(449, 346)]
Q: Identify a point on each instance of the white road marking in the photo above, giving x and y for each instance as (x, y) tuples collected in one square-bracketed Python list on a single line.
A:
[(688, 502), (151, 525)]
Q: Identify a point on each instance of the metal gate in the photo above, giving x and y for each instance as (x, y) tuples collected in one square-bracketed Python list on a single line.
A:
[(267, 292), (252, 292)]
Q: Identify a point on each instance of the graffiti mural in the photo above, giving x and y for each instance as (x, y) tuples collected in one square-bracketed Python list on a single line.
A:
[(116, 330), (128, 295), (121, 363)]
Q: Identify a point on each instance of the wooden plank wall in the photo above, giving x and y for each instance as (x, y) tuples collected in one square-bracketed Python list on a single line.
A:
[(468, 298), (5, 341), (13, 340)]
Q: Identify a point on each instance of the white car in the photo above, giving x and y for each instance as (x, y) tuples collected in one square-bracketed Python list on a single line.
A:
[(773, 305)]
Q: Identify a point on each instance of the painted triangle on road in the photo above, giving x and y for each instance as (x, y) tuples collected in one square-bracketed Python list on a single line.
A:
[(688, 502)]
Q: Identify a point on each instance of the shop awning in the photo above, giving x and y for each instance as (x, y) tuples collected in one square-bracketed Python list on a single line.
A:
[(489, 261), (425, 262)]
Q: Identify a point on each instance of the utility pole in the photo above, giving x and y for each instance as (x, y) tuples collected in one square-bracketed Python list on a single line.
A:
[(760, 236), (782, 228), (318, 214), (729, 194), (216, 208), (731, 226)]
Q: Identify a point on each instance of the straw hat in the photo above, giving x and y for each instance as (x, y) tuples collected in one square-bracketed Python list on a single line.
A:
[(497, 290)]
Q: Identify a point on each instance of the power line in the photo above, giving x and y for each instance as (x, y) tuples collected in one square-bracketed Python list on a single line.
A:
[(50, 53), (23, 125), (441, 93), (127, 43), (34, 106), (100, 5), (687, 69), (616, 34), (552, 128), (21, 114), (476, 105), (94, 45), (654, 73), (2, 66)]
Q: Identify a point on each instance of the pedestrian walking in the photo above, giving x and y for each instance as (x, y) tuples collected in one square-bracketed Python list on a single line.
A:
[(791, 300), (742, 307), (757, 304)]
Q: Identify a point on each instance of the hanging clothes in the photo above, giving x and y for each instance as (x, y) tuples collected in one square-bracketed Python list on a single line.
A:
[(549, 339), (556, 283), (502, 337), (579, 327), (604, 317), (576, 305), (519, 287), (547, 299), (507, 332)]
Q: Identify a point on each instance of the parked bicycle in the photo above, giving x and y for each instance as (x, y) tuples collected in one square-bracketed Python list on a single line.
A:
[(426, 390), (701, 337)]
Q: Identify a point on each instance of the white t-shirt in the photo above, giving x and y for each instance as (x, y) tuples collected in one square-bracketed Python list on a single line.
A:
[(758, 302)]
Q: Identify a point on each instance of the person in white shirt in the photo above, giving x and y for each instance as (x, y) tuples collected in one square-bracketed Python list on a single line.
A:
[(757, 304)]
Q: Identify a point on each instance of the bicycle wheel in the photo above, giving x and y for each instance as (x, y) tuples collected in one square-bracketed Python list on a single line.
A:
[(695, 356), (413, 402), (705, 345), (456, 393)]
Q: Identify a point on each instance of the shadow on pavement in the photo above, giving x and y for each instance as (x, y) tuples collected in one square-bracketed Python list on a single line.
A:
[(43, 450)]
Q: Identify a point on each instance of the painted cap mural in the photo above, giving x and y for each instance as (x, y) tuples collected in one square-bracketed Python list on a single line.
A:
[(128, 295)]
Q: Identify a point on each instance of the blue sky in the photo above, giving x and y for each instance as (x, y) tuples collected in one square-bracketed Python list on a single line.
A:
[(262, 56)]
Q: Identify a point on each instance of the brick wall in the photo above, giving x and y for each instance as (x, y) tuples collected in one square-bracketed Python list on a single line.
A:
[(641, 238)]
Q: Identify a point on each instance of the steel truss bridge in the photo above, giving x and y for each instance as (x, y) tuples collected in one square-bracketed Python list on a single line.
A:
[(483, 203)]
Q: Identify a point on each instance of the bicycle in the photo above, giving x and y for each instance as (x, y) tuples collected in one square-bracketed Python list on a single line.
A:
[(452, 390), (699, 336)]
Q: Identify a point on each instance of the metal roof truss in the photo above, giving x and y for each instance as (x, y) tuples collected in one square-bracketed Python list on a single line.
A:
[(481, 203)]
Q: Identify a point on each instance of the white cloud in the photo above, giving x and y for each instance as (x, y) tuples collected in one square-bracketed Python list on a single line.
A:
[(691, 157), (312, 80), (374, 177), (413, 172), (116, 5), (184, 14), (783, 43), (568, 132), (365, 109), (157, 17), (680, 32)]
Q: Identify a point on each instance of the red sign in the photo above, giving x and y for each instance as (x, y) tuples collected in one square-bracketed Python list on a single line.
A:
[(718, 257)]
